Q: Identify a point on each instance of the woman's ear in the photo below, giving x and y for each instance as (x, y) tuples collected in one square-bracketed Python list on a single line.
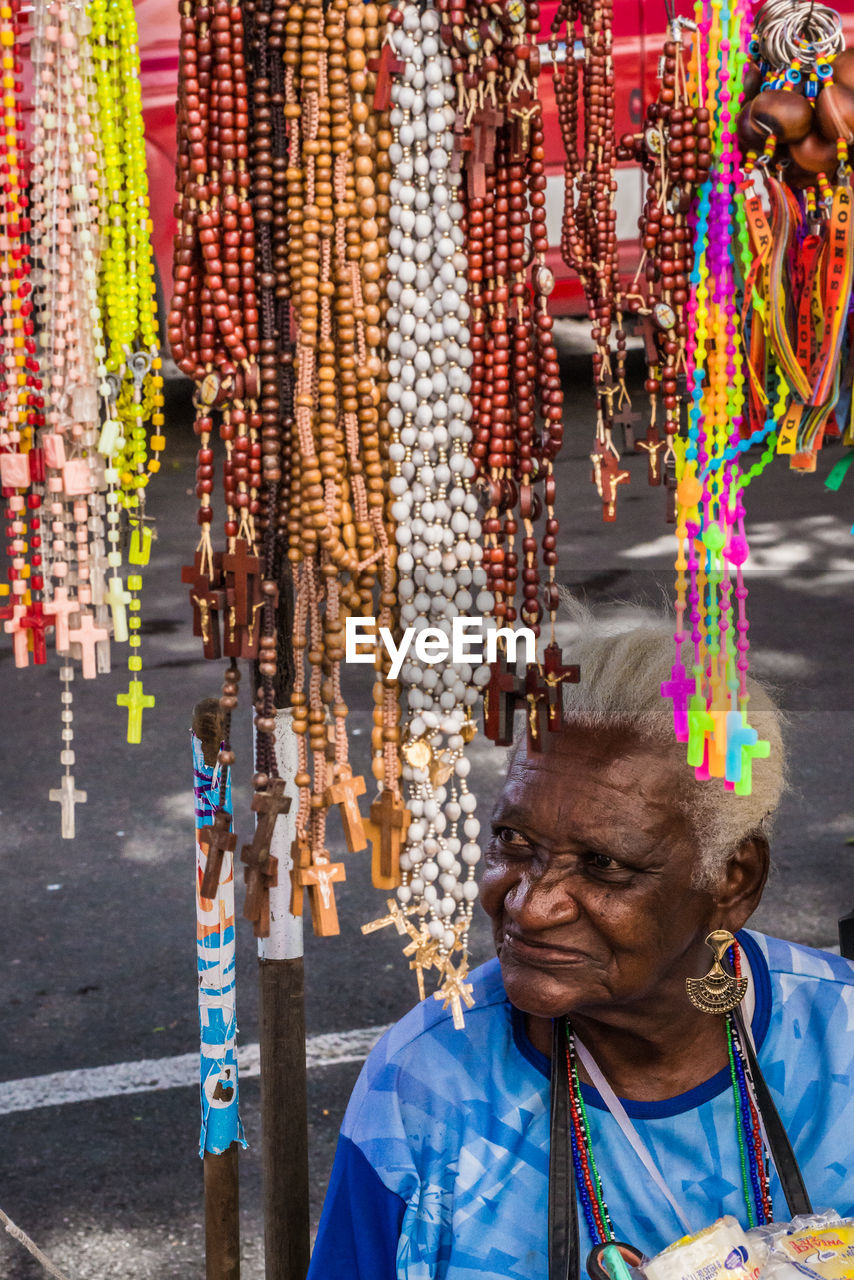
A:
[(738, 894)]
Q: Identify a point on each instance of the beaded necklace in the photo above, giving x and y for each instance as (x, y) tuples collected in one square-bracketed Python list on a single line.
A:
[(589, 234), (710, 706), (674, 149), (438, 564), (67, 447), (340, 529), (21, 406), (752, 1155), (229, 328)]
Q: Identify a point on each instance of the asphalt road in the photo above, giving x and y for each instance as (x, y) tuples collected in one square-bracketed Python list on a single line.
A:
[(98, 939)]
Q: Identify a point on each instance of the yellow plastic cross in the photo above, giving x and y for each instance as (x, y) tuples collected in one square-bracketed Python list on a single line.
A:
[(136, 702)]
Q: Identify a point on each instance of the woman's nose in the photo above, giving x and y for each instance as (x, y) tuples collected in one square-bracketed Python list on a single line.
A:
[(539, 902)]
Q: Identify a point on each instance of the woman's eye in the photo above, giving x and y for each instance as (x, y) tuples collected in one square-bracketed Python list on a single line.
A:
[(513, 839)]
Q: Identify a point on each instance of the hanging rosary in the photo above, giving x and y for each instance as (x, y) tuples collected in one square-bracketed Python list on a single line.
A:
[(584, 96), (81, 370), (356, 305)]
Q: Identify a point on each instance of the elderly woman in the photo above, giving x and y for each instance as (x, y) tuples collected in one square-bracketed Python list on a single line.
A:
[(608, 867)]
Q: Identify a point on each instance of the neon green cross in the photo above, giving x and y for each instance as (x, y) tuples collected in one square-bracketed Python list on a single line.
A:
[(136, 702)]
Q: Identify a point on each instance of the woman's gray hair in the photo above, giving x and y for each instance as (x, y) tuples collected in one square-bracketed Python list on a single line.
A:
[(625, 654)]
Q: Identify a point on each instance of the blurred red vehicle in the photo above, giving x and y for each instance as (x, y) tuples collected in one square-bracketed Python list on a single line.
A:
[(638, 36)]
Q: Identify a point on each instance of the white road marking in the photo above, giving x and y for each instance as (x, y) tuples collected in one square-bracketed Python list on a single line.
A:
[(150, 1074)]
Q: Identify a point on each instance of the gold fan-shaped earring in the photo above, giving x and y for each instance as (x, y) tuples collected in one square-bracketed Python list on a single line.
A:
[(718, 991)]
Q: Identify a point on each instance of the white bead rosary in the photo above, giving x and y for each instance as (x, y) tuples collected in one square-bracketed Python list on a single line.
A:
[(439, 569)]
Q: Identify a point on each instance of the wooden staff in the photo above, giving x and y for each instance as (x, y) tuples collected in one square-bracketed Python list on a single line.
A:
[(221, 1173), (284, 1106)]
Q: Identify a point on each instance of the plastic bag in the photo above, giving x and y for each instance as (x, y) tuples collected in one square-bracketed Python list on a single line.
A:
[(721, 1252), (817, 1248)]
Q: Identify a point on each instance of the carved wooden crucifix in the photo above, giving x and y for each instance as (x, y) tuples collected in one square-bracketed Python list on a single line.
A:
[(385, 66), (607, 475), (261, 868), (241, 569), (652, 447), (387, 832), (345, 792), (627, 420), (207, 603), (215, 840), (523, 113), (537, 707), (484, 127), (505, 688), (556, 674), (320, 879)]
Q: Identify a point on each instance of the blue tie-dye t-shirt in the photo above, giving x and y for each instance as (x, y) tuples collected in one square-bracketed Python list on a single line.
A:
[(441, 1171)]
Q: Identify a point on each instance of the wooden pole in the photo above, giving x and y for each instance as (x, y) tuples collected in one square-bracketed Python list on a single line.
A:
[(221, 1172), (284, 1106), (222, 1215)]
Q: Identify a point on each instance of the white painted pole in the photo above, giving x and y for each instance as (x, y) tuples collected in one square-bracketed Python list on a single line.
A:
[(284, 1107), (286, 938)]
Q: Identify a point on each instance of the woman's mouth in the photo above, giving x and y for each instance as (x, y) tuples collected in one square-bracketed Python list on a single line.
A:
[(539, 953)]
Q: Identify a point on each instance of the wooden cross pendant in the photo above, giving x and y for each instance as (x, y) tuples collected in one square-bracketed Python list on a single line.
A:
[(627, 420), (261, 871), (523, 113), (232, 632), (344, 792), (385, 66), (537, 707), (505, 688), (215, 841), (260, 875), (606, 470), (207, 605), (300, 857), (463, 143), (250, 636), (320, 879), (556, 674), (652, 447), (387, 831), (66, 796), (269, 804), (486, 123), (241, 569)]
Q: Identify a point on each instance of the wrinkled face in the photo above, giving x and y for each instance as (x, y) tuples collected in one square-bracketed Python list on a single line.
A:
[(587, 880)]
